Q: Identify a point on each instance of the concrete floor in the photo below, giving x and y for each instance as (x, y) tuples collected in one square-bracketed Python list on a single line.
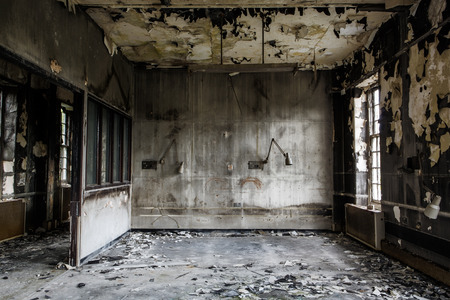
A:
[(27, 263), (212, 265)]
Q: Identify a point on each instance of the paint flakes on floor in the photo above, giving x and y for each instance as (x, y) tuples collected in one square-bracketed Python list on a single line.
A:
[(241, 265)]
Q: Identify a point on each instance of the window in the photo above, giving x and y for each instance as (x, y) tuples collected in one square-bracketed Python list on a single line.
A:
[(65, 144), (374, 142), (108, 146), (92, 143), (126, 150), (117, 147)]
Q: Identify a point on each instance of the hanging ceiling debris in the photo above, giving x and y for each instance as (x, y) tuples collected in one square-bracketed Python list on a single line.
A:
[(173, 33)]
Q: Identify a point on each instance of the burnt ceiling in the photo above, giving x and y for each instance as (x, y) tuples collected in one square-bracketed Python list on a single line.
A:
[(175, 33)]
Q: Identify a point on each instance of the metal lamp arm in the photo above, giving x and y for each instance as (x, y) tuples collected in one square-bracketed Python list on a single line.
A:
[(270, 148), (162, 160)]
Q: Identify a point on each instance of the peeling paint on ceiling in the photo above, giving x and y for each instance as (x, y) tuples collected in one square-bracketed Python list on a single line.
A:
[(309, 37)]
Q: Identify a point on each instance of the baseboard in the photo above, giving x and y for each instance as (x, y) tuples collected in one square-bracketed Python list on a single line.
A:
[(425, 266)]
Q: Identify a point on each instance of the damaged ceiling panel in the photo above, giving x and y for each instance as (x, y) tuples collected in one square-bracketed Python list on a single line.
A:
[(233, 3), (310, 37)]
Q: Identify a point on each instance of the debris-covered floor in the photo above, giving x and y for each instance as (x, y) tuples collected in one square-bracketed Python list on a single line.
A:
[(29, 262), (211, 265)]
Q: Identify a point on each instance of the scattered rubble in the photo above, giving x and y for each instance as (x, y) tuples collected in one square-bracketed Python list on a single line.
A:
[(370, 275), (239, 265), (30, 261)]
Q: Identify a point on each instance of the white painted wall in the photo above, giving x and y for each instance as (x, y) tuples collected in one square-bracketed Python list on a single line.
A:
[(105, 216)]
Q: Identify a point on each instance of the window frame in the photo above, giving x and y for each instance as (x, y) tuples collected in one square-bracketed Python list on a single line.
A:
[(103, 109), (374, 155), (65, 143)]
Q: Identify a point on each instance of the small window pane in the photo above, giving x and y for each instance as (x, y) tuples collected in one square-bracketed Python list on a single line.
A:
[(92, 143), (376, 111), (126, 149), (106, 146), (116, 147), (63, 164)]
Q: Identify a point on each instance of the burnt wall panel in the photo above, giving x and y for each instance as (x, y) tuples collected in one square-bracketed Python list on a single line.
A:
[(219, 124), (344, 178), (414, 125), (65, 46)]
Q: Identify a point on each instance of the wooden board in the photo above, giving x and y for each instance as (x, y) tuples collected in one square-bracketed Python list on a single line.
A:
[(12, 220)]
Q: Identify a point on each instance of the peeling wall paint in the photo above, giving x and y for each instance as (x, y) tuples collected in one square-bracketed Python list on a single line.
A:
[(414, 122), (429, 84), (397, 213), (436, 10), (391, 93), (40, 149)]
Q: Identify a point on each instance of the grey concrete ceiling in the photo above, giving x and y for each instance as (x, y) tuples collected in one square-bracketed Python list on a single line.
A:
[(173, 33)]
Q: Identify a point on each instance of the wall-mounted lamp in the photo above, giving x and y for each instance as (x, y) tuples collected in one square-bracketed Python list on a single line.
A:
[(180, 168), (163, 158), (153, 164), (432, 209), (287, 161), (260, 164)]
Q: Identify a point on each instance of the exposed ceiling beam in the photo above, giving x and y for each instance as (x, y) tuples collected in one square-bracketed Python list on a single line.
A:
[(223, 3)]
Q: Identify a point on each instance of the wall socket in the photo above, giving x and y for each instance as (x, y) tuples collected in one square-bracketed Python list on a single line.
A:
[(256, 165), (149, 164)]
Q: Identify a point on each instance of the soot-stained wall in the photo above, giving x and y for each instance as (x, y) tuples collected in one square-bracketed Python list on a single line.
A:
[(42, 39), (414, 79), (219, 124), (67, 46)]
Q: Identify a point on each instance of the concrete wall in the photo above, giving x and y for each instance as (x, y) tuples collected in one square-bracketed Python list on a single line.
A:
[(44, 38), (217, 130), (414, 125)]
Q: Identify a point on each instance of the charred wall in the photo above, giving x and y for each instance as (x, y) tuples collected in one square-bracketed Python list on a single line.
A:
[(66, 47), (344, 172), (44, 48), (220, 123), (411, 53), (30, 145)]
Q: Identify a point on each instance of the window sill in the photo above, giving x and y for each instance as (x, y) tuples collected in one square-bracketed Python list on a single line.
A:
[(110, 187)]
